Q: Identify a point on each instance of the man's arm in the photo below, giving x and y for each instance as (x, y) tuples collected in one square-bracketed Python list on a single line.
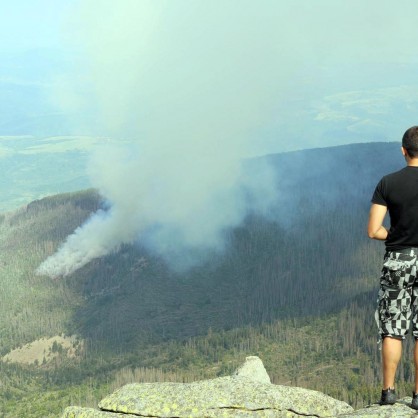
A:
[(375, 228)]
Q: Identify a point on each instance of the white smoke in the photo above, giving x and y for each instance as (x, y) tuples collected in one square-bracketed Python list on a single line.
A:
[(180, 203), (170, 80)]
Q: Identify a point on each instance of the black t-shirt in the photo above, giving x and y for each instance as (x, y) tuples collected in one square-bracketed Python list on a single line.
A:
[(399, 192)]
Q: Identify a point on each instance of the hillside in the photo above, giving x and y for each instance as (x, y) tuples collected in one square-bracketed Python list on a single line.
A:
[(297, 289)]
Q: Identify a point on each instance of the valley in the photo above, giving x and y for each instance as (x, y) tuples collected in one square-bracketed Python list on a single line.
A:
[(297, 287)]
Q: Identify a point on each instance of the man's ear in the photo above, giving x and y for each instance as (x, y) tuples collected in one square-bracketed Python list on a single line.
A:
[(404, 151)]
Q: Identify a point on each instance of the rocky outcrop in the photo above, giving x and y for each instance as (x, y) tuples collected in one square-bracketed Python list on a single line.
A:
[(222, 397), (253, 368), (247, 393)]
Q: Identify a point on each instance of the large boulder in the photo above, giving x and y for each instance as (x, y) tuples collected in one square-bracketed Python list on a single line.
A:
[(221, 397), (247, 393)]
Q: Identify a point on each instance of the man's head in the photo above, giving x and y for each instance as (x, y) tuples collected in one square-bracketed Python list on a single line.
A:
[(410, 142)]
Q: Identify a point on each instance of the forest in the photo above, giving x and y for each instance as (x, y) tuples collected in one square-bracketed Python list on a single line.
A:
[(296, 286)]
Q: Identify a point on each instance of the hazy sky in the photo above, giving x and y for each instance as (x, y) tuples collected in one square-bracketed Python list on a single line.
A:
[(284, 74)]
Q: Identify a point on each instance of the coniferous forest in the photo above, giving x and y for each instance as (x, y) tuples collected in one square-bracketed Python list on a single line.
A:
[(296, 286)]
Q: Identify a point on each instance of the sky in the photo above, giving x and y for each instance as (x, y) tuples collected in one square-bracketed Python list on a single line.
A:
[(177, 93), (300, 73)]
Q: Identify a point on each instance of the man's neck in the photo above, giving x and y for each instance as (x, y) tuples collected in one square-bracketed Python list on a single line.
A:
[(412, 162)]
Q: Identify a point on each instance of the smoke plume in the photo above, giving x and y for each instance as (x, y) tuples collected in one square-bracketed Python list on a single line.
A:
[(187, 103), (173, 207)]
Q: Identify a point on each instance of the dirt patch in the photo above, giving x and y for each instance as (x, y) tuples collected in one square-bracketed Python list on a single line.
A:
[(42, 351)]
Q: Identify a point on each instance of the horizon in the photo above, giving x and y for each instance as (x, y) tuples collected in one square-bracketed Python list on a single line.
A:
[(79, 179)]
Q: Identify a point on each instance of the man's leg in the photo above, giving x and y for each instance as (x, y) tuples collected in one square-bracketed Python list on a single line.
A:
[(391, 354), (414, 403), (416, 366)]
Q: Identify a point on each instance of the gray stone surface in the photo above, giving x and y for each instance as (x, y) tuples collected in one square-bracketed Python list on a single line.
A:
[(253, 368), (219, 397), (78, 412), (401, 409)]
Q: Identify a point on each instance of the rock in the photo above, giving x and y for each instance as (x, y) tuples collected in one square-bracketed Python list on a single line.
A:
[(400, 409), (253, 368), (221, 397), (77, 412), (248, 393)]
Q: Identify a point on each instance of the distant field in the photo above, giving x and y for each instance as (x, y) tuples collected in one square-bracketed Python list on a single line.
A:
[(33, 167), (43, 350)]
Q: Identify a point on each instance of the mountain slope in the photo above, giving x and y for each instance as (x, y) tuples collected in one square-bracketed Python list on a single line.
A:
[(313, 244)]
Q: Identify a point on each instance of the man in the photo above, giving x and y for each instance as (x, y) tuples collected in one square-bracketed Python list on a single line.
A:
[(397, 193)]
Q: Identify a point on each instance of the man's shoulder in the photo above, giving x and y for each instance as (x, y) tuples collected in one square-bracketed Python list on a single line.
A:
[(394, 175)]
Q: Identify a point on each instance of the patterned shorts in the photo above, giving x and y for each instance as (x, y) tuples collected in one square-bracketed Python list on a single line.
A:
[(397, 303)]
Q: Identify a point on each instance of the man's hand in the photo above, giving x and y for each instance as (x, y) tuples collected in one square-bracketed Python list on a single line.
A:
[(375, 228)]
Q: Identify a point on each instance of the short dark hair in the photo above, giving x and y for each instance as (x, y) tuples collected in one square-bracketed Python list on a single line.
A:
[(410, 141)]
